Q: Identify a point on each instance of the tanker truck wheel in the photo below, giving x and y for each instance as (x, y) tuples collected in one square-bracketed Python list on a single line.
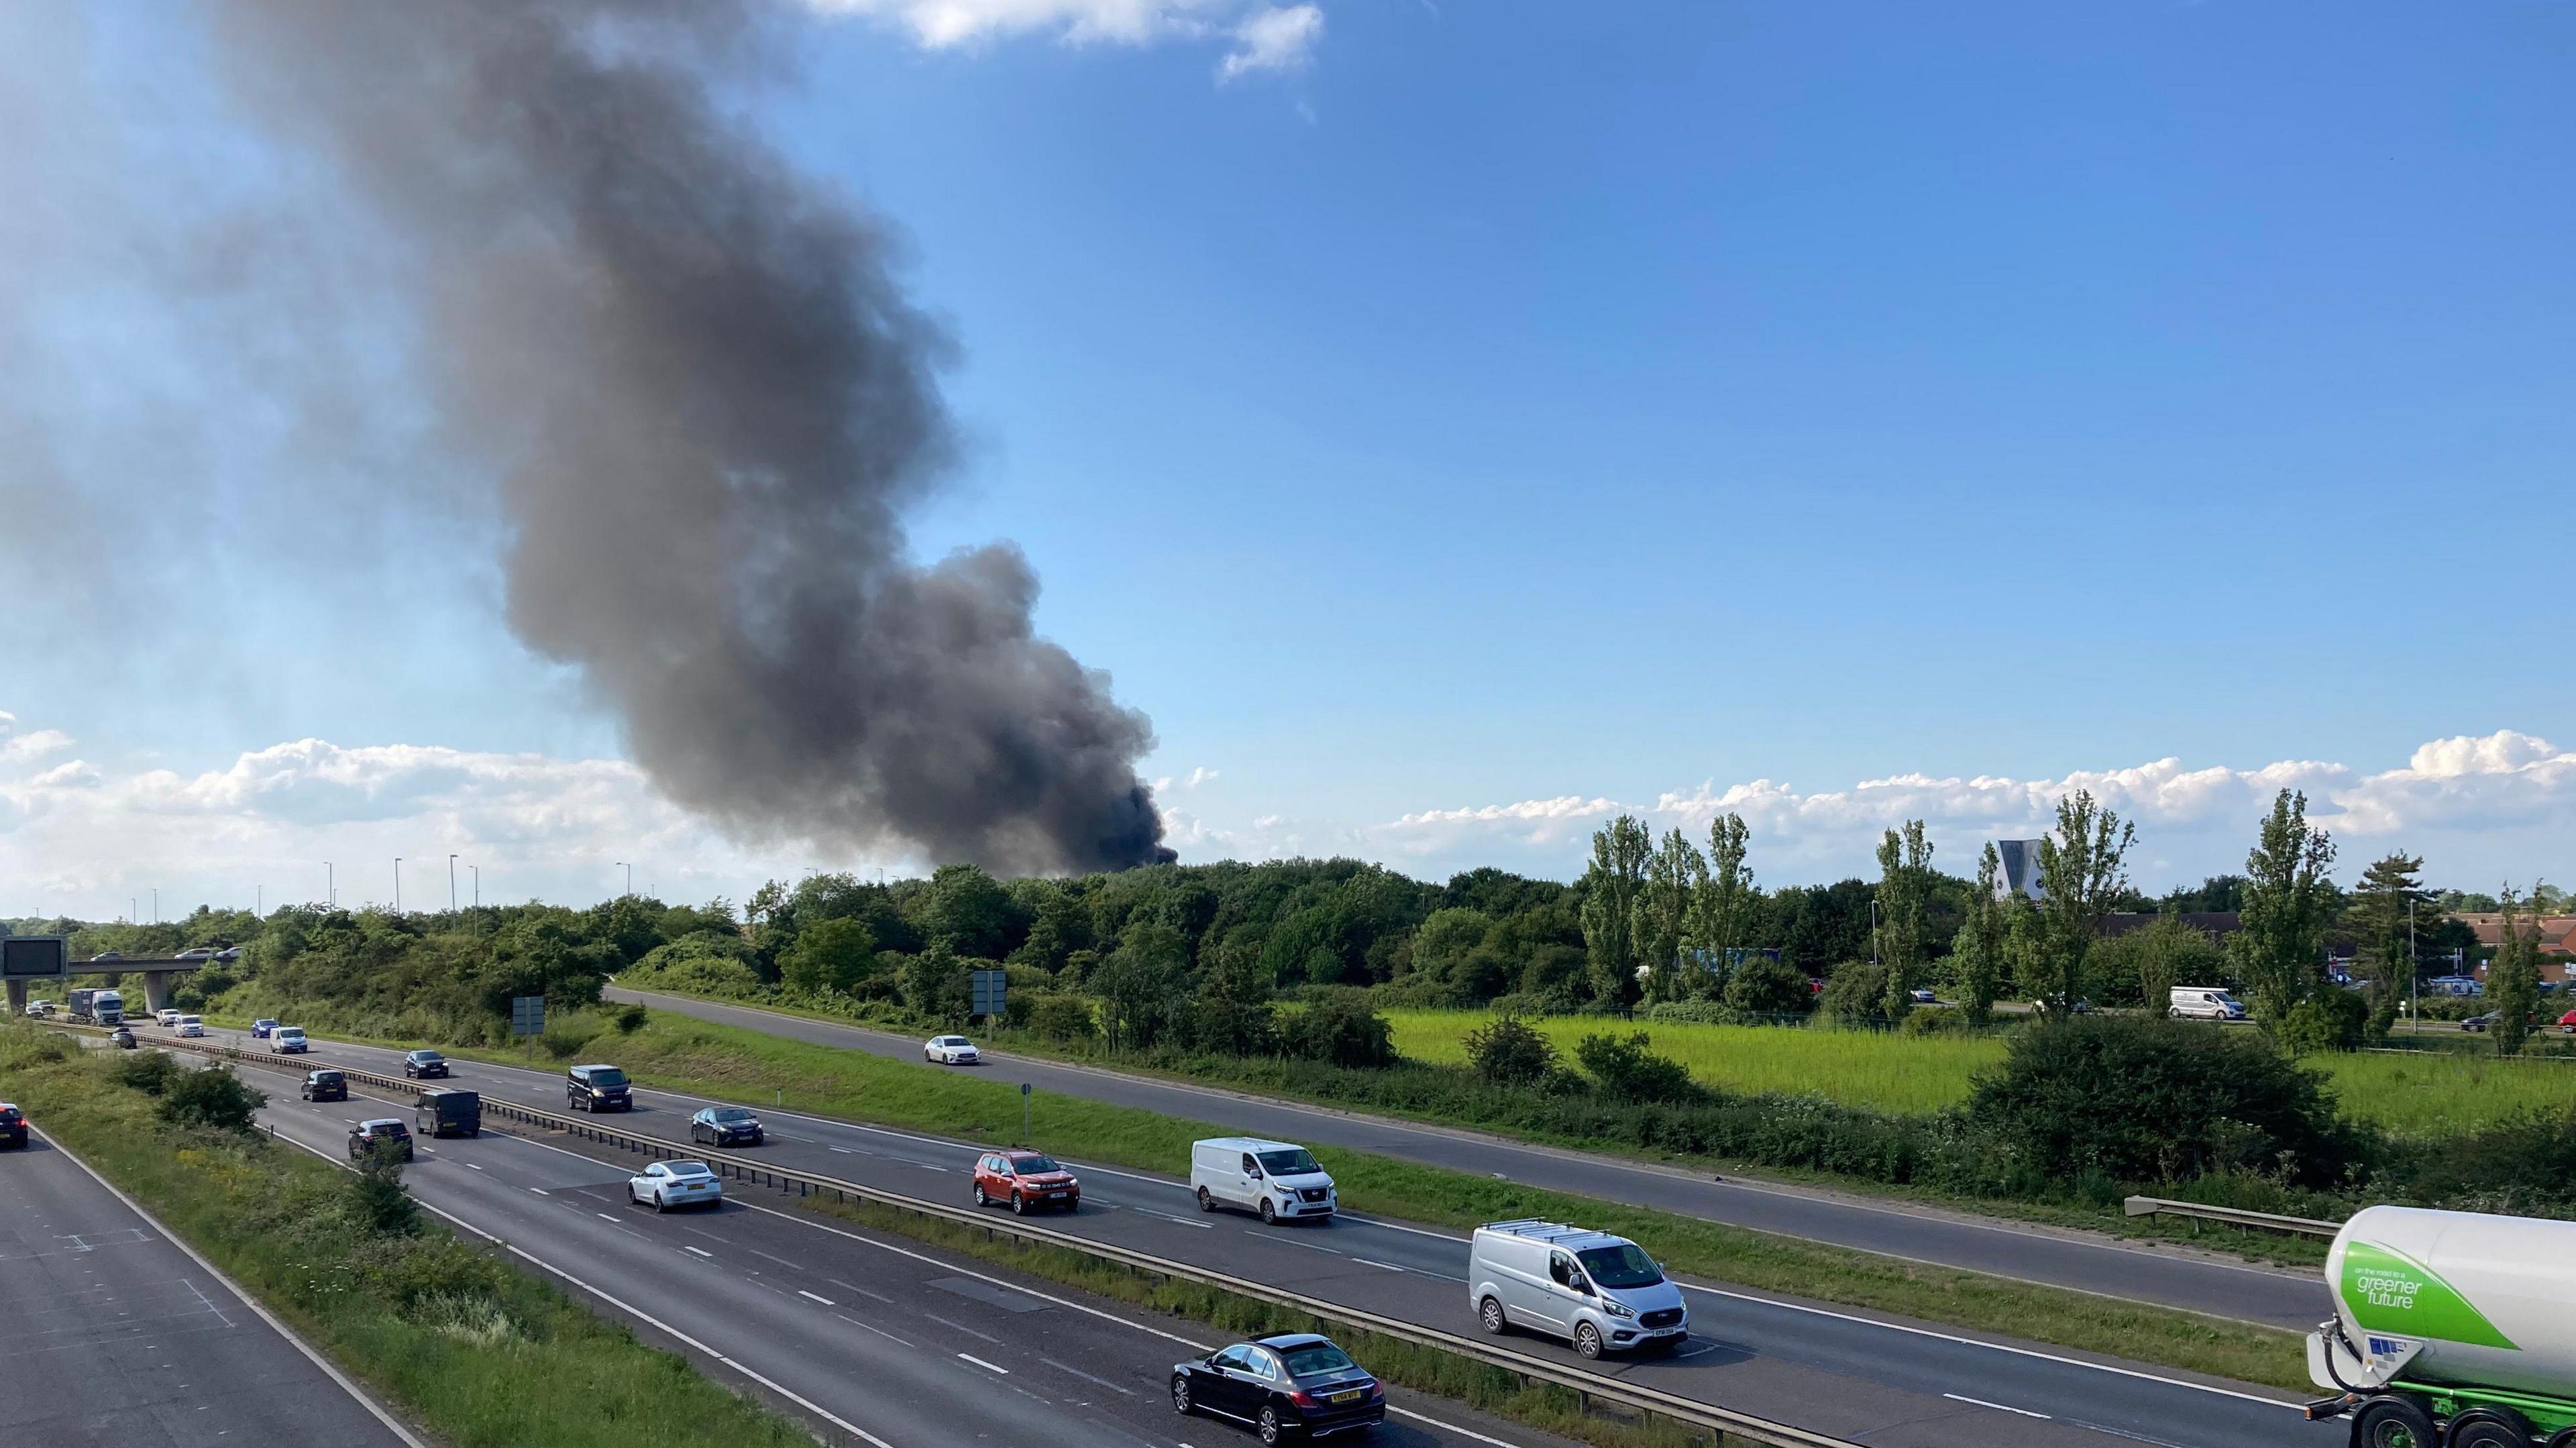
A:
[(2393, 1423), (2490, 1428)]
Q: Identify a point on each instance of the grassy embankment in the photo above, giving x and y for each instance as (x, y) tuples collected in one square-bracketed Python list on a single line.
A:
[(2420, 1092), (455, 1340), (707, 1059)]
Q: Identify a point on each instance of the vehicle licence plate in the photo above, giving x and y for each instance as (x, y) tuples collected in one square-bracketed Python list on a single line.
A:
[(1353, 1396)]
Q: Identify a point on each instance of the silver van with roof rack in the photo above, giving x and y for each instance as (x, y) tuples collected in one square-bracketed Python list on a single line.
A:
[(1599, 1292)]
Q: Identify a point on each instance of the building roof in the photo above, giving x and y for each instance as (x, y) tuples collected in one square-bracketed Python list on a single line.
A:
[(2557, 932)]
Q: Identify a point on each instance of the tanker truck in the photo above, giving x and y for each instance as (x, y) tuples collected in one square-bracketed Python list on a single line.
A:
[(2451, 1330)]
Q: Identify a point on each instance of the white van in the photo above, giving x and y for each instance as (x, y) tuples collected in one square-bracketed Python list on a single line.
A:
[(1598, 1291), (190, 1025), (1275, 1178), (2204, 1002)]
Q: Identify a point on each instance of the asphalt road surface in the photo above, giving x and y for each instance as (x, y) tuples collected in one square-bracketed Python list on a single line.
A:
[(113, 1337), (870, 1338), (2273, 1297), (1852, 1374)]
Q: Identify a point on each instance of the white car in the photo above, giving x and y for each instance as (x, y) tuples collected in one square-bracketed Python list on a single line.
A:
[(40, 1008), (201, 952), (952, 1051), (668, 1184), (287, 1041), (191, 1026), (167, 1017)]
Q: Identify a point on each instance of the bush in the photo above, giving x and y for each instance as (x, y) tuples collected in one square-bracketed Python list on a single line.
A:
[(1522, 1003), (1340, 1026), (2523, 1165), (1855, 991), (213, 1097), (377, 1198), (1705, 1013), (2331, 1020), (2159, 1101), (628, 1018), (150, 1072), (1934, 1021), (1763, 986), (1510, 1051), (1624, 1067), (1063, 1018)]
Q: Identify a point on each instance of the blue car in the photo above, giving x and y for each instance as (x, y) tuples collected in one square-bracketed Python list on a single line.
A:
[(260, 1028)]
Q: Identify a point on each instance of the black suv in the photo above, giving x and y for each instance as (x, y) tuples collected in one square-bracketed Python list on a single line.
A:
[(597, 1088), (1293, 1384), (364, 1136), (13, 1125), (424, 1064), (325, 1086)]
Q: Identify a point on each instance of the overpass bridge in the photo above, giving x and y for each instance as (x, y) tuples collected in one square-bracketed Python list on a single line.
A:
[(27, 960)]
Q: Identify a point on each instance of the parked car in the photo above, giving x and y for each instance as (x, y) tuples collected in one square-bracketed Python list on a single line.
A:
[(190, 1026), (168, 1016), (726, 1126), (423, 1065), (384, 1133), (668, 1184), (325, 1085), (1294, 1384), (287, 1041), (260, 1028), (449, 1113), (1600, 1292), (2203, 1002), (952, 1051), (598, 1088), (1026, 1180), (1274, 1178), (13, 1125), (2487, 1022)]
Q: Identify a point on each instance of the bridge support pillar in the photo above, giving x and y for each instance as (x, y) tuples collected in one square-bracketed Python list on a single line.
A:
[(17, 999), (156, 991)]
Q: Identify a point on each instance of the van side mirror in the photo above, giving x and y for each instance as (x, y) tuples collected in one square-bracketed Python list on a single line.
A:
[(1581, 1283)]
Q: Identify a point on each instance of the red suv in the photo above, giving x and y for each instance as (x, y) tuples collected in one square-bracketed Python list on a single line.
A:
[(1025, 1179)]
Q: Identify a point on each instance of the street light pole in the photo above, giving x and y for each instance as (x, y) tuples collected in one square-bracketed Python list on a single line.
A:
[(451, 884), (630, 875), (330, 886), (478, 885), (397, 884), (2414, 998)]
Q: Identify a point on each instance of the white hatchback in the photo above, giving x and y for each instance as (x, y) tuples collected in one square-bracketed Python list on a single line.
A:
[(952, 1051), (668, 1184)]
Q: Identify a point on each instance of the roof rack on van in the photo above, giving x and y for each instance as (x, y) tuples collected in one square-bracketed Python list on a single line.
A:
[(1538, 1229)]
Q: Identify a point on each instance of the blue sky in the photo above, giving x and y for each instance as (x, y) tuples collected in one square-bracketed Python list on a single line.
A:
[(1482, 405)]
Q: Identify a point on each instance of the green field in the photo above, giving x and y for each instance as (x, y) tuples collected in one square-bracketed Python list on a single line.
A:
[(2416, 1092)]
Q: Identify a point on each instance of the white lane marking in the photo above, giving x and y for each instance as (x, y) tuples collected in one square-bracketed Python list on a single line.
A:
[(701, 1251), (473, 1167), (1443, 1425), (1998, 1407), (879, 1331), (925, 1166), (849, 1151), (1166, 1216), (1086, 1377), (603, 1216), (1389, 1266), (827, 1302), (541, 1191), (979, 1362), (1291, 1242), (961, 1327), (863, 1292), (781, 1261)]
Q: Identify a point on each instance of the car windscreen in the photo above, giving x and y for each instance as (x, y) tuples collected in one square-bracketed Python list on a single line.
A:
[(1620, 1266), (1295, 1161), (1315, 1359), (607, 1076), (426, 1057), (1032, 1165), (732, 1114)]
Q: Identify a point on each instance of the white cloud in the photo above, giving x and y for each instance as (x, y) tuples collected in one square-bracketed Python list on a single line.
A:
[(18, 748), (1276, 38), (1262, 36)]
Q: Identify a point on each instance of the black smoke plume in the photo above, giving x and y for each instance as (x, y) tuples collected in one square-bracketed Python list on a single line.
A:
[(707, 405)]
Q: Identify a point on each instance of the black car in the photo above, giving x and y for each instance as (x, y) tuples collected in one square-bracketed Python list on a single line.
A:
[(13, 1125), (386, 1133), (325, 1086), (598, 1088), (725, 1126), (1283, 1386), (424, 1064)]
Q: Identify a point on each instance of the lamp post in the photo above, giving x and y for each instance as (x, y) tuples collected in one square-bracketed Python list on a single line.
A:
[(630, 875), (451, 884), (478, 885), (2414, 997), (397, 884), (330, 886)]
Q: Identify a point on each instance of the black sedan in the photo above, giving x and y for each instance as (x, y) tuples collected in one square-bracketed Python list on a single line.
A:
[(725, 1126), (13, 1125), (1293, 1384), (423, 1065), (325, 1086)]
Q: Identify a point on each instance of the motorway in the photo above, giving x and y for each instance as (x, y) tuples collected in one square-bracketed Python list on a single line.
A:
[(1849, 1374), (2086, 1263), (112, 1335)]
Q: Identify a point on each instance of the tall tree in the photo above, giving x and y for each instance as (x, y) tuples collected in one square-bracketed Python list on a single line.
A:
[(1611, 885), (2513, 977), (2280, 951), (2383, 906), (1978, 950), (1675, 875), (1721, 913), (2082, 872), (1904, 892)]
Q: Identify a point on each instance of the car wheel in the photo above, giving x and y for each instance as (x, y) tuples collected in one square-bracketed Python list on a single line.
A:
[(661, 1205), (1181, 1396), (1272, 1431), (1206, 1203), (981, 1199), (1489, 1314), (1587, 1340), (2392, 1423), (1019, 1205), (1269, 1214)]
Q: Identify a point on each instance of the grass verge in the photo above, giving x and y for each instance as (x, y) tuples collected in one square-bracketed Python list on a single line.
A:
[(703, 1058), (459, 1342)]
